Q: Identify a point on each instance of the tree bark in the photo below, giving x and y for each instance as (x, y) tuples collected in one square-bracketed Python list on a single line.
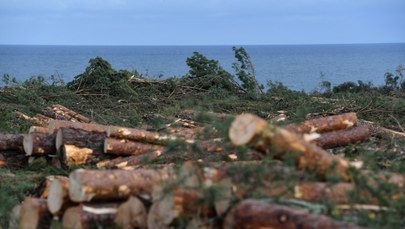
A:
[(58, 197), (81, 138), (74, 155), (342, 137), (139, 135), (325, 124), (128, 147), (252, 130), (92, 185), (131, 214), (34, 214), (11, 142), (55, 125), (66, 113), (86, 216), (254, 214), (39, 144), (124, 162)]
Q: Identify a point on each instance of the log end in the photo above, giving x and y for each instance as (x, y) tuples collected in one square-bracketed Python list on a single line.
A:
[(244, 128), (76, 193), (56, 196), (59, 140), (28, 144)]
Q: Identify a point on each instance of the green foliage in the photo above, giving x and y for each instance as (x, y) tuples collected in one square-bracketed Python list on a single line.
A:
[(201, 66), (245, 71), (100, 78)]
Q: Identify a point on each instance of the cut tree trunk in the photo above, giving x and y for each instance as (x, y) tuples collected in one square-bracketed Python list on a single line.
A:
[(252, 130), (128, 147), (131, 214), (130, 161), (11, 142), (34, 214), (39, 144), (43, 189), (139, 135), (55, 125), (58, 110), (58, 198), (87, 216), (342, 137), (254, 214), (73, 155), (81, 138), (325, 124), (92, 185)]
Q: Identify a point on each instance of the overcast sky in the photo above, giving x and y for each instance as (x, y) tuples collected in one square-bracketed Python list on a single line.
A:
[(201, 22)]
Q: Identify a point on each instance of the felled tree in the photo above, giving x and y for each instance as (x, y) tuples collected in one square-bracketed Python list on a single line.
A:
[(246, 72)]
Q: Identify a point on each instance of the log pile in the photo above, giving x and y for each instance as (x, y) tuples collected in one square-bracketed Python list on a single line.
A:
[(208, 195)]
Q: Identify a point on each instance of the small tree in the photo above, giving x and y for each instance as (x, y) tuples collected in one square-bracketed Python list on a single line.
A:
[(246, 72), (202, 66)]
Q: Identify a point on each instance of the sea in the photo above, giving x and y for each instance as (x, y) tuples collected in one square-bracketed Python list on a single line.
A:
[(299, 67)]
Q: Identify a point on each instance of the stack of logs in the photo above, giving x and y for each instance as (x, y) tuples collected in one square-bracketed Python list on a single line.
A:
[(164, 197)]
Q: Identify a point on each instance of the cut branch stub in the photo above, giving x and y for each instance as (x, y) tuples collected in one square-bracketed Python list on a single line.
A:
[(252, 130), (91, 185), (325, 124), (254, 214)]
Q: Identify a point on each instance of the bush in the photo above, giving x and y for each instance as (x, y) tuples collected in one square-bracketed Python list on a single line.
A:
[(100, 78)]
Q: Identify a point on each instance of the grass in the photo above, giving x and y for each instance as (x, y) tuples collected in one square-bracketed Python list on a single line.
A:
[(156, 104)]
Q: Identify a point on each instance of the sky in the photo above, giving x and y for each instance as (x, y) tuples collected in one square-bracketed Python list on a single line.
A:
[(201, 22)]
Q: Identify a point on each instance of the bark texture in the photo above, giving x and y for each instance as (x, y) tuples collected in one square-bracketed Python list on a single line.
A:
[(342, 137), (252, 130), (55, 125), (123, 162), (325, 124), (11, 142), (128, 147), (39, 144), (252, 214), (93, 185), (139, 135), (81, 138), (131, 214), (86, 216)]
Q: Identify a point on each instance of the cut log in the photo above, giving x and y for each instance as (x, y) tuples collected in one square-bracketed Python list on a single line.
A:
[(128, 147), (34, 214), (325, 124), (55, 125), (122, 162), (252, 130), (139, 135), (60, 112), (254, 214), (41, 120), (73, 155), (39, 144), (90, 216), (11, 142), (58, 196), (92, 185), (43, 189), (38, 129), (13, 160), (176, 204), (81, 138), (342, 137), (131, 214)]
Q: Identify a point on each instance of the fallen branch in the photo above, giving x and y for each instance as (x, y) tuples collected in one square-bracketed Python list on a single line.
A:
[(341, 137)]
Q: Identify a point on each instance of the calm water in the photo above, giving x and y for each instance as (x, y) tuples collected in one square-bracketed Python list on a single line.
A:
[(297, 66)]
